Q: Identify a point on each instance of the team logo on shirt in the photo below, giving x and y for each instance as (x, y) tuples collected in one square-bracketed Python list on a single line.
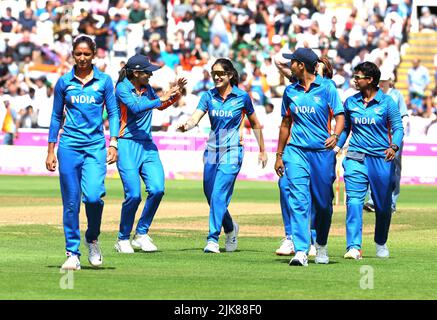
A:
[(364, 120), (378, 111), (317, 99), (71, 88), (95, 86), (304, 109), (83, 99)]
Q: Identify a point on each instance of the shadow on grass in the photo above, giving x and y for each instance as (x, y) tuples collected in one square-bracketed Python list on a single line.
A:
[(287, 260), (86, 268)]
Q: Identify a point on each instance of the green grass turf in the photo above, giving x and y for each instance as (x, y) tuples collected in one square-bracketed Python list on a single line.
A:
[(12, 187), (32, 254)]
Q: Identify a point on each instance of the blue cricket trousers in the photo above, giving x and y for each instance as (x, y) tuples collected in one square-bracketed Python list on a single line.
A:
[(82, 174), (139, 159), (398, 173), (358, 175), (310, 175), (284, 191), (219, 174)]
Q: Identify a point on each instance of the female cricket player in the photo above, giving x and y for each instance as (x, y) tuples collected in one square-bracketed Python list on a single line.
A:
[(138, 155), (226, 106), (324, 69), (82, 151), (370, 115), (308, 161)]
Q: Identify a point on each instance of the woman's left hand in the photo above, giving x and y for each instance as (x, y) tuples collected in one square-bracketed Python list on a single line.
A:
[(112, 155), (262, 159), (331, 142), (390, 154)]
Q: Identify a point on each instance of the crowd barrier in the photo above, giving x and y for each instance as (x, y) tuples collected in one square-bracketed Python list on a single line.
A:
[(181, 155)]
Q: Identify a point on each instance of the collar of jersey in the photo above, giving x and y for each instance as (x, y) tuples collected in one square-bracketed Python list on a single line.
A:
[(317, 82), (377, 98), (97, 74), (131, 87), (235, 91)]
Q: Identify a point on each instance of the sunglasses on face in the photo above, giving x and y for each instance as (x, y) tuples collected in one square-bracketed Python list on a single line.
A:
[(219, 74), (144, 72), (359, 77)]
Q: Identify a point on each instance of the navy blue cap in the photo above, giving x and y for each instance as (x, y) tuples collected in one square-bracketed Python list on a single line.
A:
[(304, 55), (140, 62)]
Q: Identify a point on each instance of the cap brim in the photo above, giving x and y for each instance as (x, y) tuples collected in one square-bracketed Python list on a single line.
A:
[(290, 56), (152, 67)]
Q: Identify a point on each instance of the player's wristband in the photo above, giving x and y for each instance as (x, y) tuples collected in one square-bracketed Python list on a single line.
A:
[(114, 144), (279, 154), (335, 135), (394, 147)]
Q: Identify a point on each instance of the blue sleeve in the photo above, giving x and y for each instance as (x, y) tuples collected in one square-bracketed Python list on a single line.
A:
[(153, 93), (134, 103), (394, 117), (334, 99), (112, 108), (285, 104), (203, 103), (347, 126), (58, 111), (248, 105)]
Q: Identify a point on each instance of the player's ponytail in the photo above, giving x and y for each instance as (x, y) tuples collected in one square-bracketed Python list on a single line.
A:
[(122, 74)]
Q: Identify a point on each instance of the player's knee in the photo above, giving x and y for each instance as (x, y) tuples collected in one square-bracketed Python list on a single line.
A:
[(94, 199), (156, 191), (72, 208), (133, 197), (218, 197)]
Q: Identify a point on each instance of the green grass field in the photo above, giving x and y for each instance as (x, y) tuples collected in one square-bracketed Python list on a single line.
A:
[(31, 254)]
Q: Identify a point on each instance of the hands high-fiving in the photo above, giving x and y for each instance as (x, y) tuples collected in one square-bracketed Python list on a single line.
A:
[(181, 83)]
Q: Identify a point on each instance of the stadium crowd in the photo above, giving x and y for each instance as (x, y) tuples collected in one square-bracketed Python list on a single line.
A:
[(186, 37)]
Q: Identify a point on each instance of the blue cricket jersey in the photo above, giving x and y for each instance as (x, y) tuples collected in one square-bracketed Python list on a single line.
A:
[(83, 104), (136, 110), (311, 112), (371, 126), (225, 116)]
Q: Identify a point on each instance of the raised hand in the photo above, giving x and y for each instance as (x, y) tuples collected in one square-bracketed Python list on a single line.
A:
[(181, 83)]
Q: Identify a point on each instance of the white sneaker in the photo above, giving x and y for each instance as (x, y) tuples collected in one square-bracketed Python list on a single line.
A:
[(353, 254), (95, 257), (286, 248), (321, 254), (211, 247), (232, 239), (299, 259), (144, 242), (312, 252), (123, 246), (72, 262), (382, 251)]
